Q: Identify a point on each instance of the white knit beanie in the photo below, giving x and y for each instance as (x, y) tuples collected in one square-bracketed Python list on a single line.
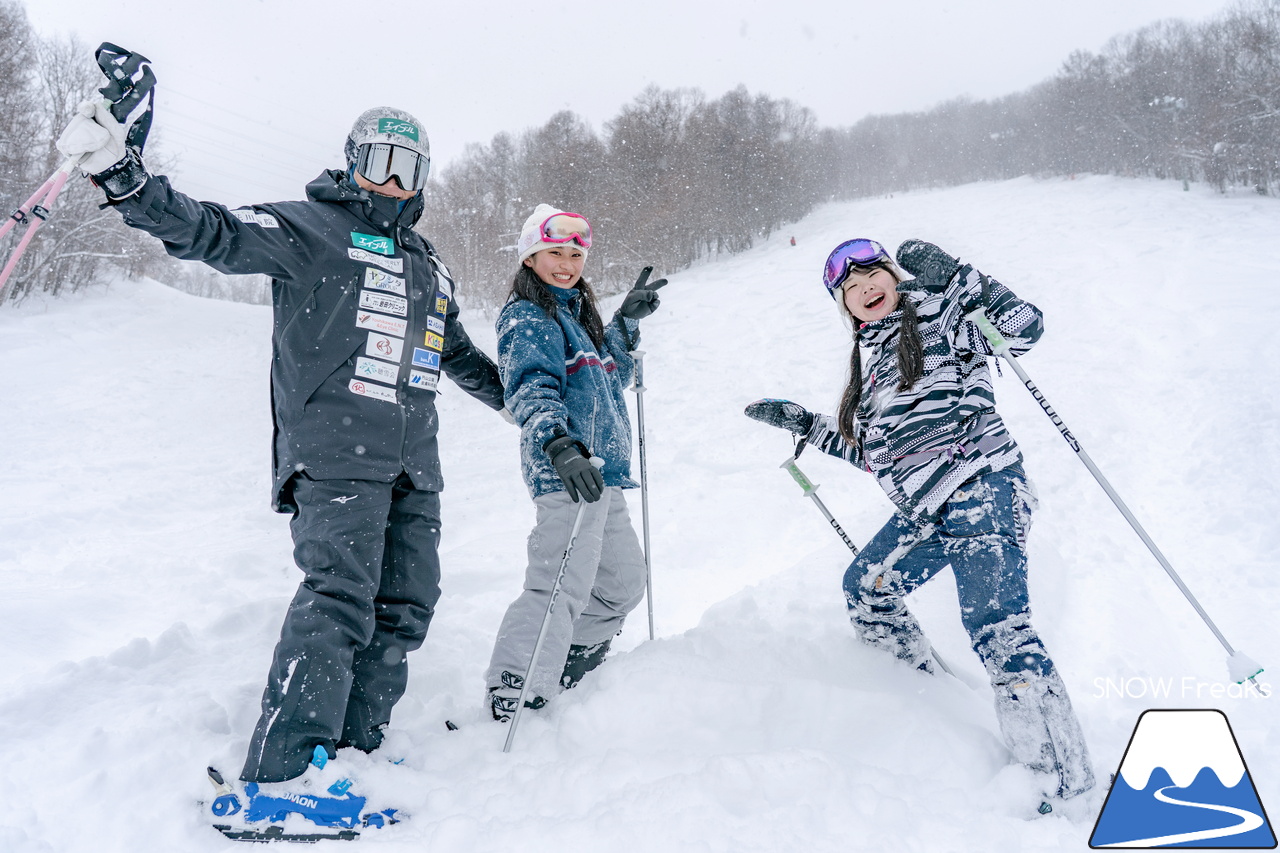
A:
[(531, 239)]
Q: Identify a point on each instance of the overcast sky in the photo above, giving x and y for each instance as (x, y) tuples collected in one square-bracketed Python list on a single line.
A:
[(255, 97)]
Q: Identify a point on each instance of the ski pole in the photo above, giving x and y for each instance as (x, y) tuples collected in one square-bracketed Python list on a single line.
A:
[(129, 81), (33, 212), (638, 387), (546, 619), (811, 491), (1239, 665)]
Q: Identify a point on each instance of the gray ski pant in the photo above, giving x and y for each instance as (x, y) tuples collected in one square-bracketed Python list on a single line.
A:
[(604, 582), (368, 553)]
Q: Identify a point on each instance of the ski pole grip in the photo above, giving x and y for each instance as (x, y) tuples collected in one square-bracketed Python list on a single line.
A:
[(989, 331), (798, 475)]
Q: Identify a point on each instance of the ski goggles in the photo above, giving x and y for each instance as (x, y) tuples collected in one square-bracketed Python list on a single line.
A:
[(563, 227), (380, 161), (859, 252)]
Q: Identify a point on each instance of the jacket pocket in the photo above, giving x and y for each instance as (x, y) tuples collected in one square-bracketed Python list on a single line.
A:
[(333, 315)]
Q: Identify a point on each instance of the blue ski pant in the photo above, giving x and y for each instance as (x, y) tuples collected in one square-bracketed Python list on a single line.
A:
[(981, 533), (371, 580)]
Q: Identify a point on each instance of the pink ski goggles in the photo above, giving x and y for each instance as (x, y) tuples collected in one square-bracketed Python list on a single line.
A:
[(565, 227), (859, 252)]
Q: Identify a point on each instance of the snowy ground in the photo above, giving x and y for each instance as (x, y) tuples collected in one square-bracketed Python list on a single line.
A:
[(144, 576)]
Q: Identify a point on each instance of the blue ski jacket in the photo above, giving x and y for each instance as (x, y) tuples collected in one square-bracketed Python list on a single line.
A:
[(556, 384), (365, 320)]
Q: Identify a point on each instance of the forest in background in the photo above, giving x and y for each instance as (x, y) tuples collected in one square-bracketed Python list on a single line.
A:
[(677, 177)]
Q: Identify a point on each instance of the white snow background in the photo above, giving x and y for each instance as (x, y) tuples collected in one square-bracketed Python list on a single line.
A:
[(143, 576)]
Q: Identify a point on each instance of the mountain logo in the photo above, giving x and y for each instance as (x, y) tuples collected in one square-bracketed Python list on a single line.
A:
[(1183, 783)]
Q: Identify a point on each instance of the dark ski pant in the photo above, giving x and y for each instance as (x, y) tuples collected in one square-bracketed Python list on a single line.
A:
[(368, 553)]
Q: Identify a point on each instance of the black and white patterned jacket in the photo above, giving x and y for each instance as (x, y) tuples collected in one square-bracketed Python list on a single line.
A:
[(922, 443)]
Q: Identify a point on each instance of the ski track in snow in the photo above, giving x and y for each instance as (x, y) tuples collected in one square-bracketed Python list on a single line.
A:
[(144, 575)]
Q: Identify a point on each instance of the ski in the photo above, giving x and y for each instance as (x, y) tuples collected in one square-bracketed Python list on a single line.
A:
[(277, 833)]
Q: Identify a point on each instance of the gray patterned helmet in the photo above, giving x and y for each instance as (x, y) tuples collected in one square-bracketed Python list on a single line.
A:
[(387, 125)]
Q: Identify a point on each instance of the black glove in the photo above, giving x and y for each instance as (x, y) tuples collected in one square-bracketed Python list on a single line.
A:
[(571, 461), (932, 267), (643, 298), (783, 414), (106, 137)]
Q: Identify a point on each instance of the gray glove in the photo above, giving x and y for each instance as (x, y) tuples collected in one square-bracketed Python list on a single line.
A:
[(573, 463), (932, 267), (783, 414), (642, 300)]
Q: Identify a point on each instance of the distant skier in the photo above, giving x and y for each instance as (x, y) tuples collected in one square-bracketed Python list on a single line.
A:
[(564, 372), (793, 241), (920, 415), (365, 320)]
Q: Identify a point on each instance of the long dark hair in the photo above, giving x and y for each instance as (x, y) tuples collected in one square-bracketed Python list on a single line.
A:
[(910, 354), (527, 285)]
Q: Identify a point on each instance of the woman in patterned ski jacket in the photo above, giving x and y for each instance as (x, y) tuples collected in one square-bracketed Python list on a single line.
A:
[(919, 413), (563, 373)]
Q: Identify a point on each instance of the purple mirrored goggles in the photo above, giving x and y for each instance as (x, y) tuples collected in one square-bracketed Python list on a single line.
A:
[(859, 252)]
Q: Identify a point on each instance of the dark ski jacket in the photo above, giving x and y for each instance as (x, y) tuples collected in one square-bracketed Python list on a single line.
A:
[(557, 384), (365, 320), (924, 442)]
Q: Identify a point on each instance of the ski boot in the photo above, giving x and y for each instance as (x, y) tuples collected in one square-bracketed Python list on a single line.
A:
[(333, 807), (504, 698)]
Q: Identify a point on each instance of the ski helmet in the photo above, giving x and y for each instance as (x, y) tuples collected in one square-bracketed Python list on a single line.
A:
[(389, 126)]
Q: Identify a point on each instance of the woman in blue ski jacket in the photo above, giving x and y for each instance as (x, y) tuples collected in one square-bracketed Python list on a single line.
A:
[(563, 372), (919, 414)]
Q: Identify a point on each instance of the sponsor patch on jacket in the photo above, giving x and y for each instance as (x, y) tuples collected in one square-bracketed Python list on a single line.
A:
[(436, 325), (393, 264), (252, 217), (376, 279), (372, 389), (442, 304), (384, 346), (418, 379), (374, 243), (434, 341), (384, 302), (426, 358), (381, 323), (367, 368)]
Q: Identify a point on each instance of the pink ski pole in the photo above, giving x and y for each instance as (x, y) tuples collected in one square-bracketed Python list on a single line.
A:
[(33, 213)]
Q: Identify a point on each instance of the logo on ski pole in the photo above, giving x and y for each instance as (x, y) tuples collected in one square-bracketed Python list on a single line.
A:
[(1182, 782)]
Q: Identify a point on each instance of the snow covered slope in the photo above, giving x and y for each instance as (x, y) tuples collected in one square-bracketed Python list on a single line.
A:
[(143, 577)]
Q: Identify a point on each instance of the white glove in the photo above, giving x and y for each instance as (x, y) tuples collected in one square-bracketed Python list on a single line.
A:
[(94, 137)]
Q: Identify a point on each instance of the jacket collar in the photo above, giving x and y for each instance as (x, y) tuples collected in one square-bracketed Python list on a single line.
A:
[(877, 332), (380, 211)]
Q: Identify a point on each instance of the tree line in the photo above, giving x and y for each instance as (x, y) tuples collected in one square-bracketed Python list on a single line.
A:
[(676, 177), (1172, 101)]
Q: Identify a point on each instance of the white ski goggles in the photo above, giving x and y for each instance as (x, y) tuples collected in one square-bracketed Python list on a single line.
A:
[(380, 161)]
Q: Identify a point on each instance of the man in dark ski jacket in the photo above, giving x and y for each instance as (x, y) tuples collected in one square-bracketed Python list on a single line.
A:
[(365, 321)]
